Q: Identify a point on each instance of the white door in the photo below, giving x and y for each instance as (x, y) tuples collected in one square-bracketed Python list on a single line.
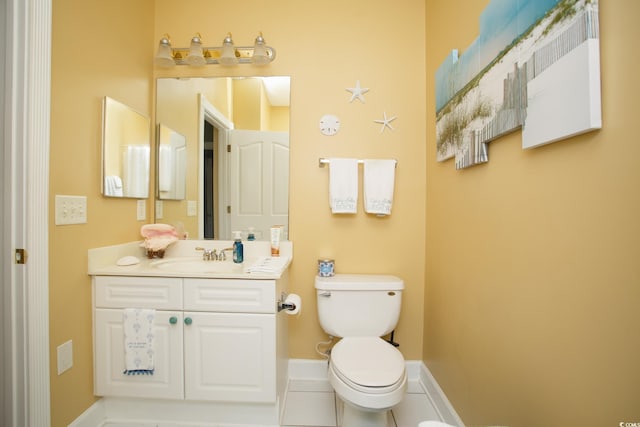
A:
[(25, 33), (258, 181), (167, 379), (230, 357)]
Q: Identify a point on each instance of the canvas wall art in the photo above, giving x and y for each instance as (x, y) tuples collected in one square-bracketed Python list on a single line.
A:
[(535, 65)]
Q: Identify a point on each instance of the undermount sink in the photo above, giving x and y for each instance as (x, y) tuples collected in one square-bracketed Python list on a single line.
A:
[(196, 265)]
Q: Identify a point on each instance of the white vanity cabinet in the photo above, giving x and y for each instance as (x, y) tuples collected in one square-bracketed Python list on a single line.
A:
[(215, 339), (112, 294), (230, 343)]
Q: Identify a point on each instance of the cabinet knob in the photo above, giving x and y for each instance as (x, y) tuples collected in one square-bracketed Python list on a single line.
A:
[(173, 320), (188, 320)]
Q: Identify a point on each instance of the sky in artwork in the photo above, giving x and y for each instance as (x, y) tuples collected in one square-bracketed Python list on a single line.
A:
[(501, 23)]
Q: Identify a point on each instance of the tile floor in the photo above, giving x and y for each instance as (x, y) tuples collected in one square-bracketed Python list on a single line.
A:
[(314, 404)]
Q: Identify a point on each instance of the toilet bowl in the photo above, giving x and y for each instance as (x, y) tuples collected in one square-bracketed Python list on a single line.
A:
[(367, 373)]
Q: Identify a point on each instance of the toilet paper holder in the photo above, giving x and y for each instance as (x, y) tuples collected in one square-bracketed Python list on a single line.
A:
[(285, 305)]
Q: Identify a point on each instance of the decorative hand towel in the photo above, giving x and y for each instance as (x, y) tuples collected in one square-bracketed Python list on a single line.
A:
[(379, 180), (343, 185), (138, 341)]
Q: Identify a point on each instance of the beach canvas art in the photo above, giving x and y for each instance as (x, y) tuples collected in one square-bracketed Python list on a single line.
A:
[(535, 65)]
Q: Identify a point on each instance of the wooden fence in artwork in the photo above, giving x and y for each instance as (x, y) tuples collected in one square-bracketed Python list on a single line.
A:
[(513, 110)]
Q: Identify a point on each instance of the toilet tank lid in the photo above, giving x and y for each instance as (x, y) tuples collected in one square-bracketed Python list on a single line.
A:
[(359, 282)]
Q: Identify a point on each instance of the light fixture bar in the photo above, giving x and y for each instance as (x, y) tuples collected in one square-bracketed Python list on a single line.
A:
[(212, 54), (197, 55)]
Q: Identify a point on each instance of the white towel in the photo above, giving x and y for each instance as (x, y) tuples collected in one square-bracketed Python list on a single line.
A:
[(343, 185), (112, 186), (378, 181), (268, 265), (138, 341)]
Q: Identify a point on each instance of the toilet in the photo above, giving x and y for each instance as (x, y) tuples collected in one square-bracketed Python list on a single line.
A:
[(365, 371)]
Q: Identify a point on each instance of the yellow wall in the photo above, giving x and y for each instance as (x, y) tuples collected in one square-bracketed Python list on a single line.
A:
[(524, 269), (93, 55), (99, 50), (325, 47), (532, 277)]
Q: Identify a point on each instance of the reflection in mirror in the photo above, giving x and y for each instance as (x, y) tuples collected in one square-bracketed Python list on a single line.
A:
[(172, 164), (125, 151), (237, 154)]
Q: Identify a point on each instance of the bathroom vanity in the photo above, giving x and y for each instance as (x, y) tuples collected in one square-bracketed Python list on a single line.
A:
[(220, 343)]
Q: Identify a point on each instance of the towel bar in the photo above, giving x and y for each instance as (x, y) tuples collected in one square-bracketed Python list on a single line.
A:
[(323, 161)]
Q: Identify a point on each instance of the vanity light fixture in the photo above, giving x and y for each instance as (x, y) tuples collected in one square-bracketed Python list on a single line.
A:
[(164, 57), (227, 54), (260, 54), (196, 54)]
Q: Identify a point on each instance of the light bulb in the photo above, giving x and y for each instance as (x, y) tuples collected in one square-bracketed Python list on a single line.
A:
[(164, 56), (260, 54), (196, 57), (228, 56)]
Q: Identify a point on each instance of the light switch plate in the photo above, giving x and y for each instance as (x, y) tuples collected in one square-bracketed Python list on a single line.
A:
[(65, 356), (142, 210), (71, 210)]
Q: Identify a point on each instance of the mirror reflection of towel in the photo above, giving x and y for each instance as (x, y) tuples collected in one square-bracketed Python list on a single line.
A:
[(165, 167), (378, 182), (113, 186), (136, 171)]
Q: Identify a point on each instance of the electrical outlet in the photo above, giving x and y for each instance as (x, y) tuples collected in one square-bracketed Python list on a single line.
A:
[(159, 209), (192, 208), (71, 210), (142, 210), (65, 356)]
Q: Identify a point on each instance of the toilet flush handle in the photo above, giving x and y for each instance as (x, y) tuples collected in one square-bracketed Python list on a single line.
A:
[(325, 294)]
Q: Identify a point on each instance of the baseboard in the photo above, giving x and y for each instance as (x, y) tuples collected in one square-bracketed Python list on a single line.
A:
[(115, 411), (94, 416), (439, 400)]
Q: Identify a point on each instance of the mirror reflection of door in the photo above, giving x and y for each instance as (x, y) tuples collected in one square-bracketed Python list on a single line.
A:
[(211, 225), (258, 175), (218, 106)]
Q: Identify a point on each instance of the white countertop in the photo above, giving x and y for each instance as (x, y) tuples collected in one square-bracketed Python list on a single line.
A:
[(103, 261)]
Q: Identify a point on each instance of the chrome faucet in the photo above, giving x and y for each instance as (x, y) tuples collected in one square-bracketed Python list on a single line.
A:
[(208, 254)]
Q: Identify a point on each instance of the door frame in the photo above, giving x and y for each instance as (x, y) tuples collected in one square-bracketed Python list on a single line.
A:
[(25, 214), (207, 112)]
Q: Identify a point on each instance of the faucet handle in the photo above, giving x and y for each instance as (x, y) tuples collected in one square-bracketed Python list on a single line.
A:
[(222, 256), (207, 254)]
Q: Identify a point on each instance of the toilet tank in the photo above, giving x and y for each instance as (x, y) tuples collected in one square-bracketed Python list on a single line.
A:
[(358, 305)]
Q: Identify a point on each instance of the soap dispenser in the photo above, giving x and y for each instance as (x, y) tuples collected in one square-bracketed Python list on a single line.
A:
[(238, 249)]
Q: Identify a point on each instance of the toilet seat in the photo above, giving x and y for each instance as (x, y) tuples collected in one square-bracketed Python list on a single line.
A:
[(368, 364)]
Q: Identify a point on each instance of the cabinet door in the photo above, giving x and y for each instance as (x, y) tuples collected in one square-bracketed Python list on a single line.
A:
[(230, 357), (167, 378)]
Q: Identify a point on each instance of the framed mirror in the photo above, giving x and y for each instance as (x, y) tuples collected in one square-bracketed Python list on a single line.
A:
[(126, 143), (236, 132)]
